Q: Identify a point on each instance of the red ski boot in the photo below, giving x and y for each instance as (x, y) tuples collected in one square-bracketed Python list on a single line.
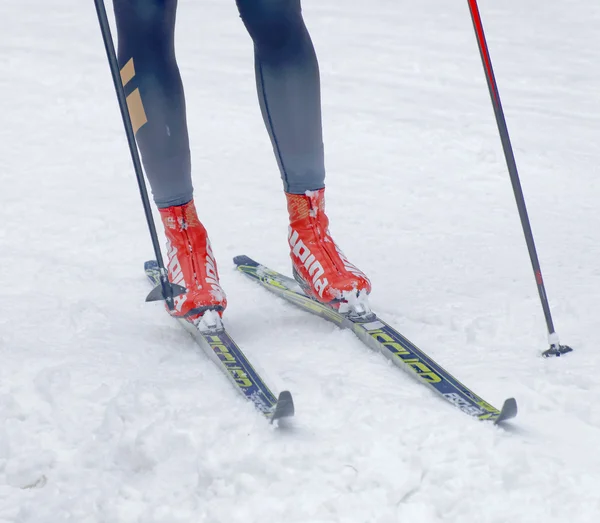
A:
[(191, 264), (319, 265)]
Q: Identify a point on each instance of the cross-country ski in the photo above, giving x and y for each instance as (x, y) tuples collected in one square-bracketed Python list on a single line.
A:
[(423, 176)]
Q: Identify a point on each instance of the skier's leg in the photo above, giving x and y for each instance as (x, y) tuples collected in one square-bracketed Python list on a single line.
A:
[(157, 107), (145, 30), (287, 78)]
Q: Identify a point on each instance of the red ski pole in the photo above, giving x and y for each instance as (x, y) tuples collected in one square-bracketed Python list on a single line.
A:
[(556, 349)]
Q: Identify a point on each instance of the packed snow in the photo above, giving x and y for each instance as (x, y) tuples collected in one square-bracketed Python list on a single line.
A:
[(109, 413)]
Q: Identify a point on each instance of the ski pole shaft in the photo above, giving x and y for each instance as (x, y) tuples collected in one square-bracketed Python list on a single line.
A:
[(167, 290), (512, 168)]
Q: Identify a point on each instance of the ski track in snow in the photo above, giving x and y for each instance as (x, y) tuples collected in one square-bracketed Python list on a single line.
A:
[(108, 412)]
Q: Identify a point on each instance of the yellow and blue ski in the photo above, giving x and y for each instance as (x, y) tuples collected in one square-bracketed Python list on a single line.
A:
[(379, 336), (220, 347)]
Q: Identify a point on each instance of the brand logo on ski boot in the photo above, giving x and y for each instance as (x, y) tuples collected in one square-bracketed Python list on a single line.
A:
[(176, 276), (311, 264), (212, 277)]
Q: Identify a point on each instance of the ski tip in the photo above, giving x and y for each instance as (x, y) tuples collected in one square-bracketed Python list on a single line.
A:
[(242, 259), (150, 265), (284, 407), (509, 410), (162, 291)]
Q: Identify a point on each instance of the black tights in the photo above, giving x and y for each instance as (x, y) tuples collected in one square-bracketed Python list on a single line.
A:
[(287, 77)]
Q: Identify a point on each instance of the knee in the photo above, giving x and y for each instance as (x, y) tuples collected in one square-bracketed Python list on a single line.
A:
[(144, 16), (272, 24)]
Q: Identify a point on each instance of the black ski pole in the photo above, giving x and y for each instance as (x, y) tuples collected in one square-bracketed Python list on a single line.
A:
[(556, 349), (166, 290)]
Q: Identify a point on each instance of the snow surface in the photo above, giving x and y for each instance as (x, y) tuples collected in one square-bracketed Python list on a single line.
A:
[(108, 412)]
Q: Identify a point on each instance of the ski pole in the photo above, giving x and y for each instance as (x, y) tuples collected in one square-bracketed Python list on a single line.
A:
[(166, 290), (556, 349)]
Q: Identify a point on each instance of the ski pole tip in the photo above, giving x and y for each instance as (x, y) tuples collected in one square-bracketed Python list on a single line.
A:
[(556, 350)]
